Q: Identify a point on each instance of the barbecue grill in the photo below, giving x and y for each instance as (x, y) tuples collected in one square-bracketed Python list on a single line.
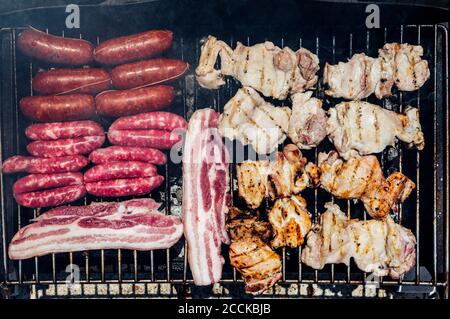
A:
[(162, 274)]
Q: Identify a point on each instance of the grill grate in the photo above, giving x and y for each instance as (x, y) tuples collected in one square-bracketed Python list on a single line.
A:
[(170, 267)]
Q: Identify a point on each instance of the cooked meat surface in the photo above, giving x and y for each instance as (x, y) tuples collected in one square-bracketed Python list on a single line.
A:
[(248, 118), (410, 71), (307, 124), (362, 178), (378, 246), (259, 265), (282, 177), (290, 221), (360, 128), (273, 71), (399, 64)]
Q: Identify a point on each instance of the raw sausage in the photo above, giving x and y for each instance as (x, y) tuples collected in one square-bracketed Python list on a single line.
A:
[(145, 138), (117, 170), (145, 73), (130, 102), (133, 47), (38, 165), (124, 187), (64, 147), (51, 197), (152, 120), (60, 130), (36, 182), (64, 81), (56, 108), (127, 153), (50, 48)]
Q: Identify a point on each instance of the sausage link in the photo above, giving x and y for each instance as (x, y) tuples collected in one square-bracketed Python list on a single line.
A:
[(65, 147), (145, 138), (51, 197), (50, 48), (144, 73), (58, 108), (124, 187), (61, 130), (130, 102), (38, 165), (133, 47), (64, 81), (152, 120), (36, 182), (117, 170), (127, 153)]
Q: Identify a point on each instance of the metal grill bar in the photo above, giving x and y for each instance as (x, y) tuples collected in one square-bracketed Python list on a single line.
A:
[(159, 268)]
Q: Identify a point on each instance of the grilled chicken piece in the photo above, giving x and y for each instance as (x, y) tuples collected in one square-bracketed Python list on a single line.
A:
[(360, 128), (280, 178), (252, 181), (399, 64), (362, 178), (358, 78), (410, 71), (265, 67), (307, 124), (259, 265), (290, 221), (378, 246), (251, 120)]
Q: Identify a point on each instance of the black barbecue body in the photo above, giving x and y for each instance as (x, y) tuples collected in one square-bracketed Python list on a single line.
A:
[(334, 31)]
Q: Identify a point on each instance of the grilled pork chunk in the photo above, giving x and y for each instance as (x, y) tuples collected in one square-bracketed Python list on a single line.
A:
[(399, 64), (265, 67), (290, 221), (259, 265), (362, 178), (287, 175), (248, 118), (378, 246), (307, 124), (360, 128)]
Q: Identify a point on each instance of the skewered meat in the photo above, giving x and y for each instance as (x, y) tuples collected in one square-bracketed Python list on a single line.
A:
[(205, 199), (307, 124), (259, 265), (251, 120), (379, 246), (134, 224), (410, 71), (290, 221), (287, 175), (265, 67), (399, 64), (360, 128), (362, 178)]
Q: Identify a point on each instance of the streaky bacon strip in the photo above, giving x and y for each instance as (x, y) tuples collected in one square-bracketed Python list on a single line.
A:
[(205, 196), (134, 224)]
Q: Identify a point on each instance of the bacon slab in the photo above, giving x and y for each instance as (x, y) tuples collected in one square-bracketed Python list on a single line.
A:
[(134, 224), (205, 198)]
